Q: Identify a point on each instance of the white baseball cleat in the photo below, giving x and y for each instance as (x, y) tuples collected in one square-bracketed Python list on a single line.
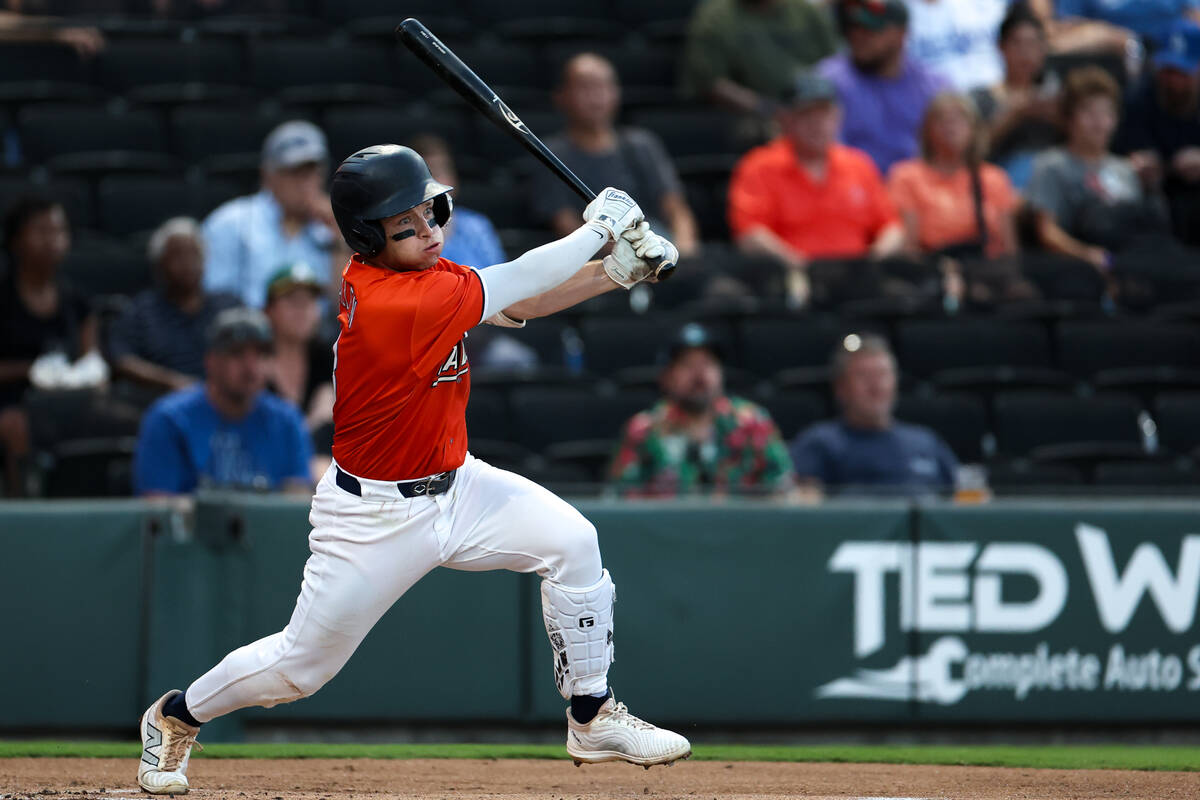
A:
[(616, 735), (166, 746)]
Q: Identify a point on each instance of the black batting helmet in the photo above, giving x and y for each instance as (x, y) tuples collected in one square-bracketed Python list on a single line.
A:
[(379, 182)]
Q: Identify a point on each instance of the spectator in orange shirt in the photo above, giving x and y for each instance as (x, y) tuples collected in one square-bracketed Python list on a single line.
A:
[(957, 207), (803, 197)]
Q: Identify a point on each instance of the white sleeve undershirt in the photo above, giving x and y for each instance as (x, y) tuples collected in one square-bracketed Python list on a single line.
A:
[(539, 270)]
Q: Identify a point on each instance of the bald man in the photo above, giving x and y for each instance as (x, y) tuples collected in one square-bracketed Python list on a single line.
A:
[(602, 154)]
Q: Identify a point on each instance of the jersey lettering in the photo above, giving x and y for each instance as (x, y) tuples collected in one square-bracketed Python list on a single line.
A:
[(455, 365)]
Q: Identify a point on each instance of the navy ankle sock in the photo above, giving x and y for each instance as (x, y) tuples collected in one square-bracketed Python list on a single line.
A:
[(177, 707), (584, 707)]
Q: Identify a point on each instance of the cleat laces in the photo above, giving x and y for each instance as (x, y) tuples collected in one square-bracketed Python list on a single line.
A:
[(176, 750), (621, 715)]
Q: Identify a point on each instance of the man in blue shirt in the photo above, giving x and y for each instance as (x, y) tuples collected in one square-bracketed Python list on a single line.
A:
[(226, 432), (867, 448), (1151, 18), (289, 220)]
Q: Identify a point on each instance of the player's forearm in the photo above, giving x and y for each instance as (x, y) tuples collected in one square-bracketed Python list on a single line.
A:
[(152, 374), (585, 284), (539, 270), (14, 371)]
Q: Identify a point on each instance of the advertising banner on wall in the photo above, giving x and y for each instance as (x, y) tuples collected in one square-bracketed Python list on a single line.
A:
[(1051, 613)]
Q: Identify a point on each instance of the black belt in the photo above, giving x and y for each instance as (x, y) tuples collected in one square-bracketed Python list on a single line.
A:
[(438, 484)]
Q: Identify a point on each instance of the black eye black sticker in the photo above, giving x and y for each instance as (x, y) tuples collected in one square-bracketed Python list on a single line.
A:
[(396, 237)]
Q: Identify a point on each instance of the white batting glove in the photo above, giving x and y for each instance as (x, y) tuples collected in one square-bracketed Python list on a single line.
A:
[(638, 254), (613, 210)]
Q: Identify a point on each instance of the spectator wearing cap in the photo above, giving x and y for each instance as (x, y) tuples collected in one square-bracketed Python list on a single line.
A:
[(698, 439), (1161, 124), (159, 340), (602, 154), (866, 449), (957, 39), (289, 219), (742, 54), (40, 315), (471, 238), (227, 432), (883, 90), (302, 369), (803, 197), (1021, 111)]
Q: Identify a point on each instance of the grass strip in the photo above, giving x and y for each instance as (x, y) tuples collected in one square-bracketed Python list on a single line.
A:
[(1056, 757)]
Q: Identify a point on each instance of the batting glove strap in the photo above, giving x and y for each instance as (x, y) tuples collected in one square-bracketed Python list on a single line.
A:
[(639, 252), (579, 624), (614, 210)]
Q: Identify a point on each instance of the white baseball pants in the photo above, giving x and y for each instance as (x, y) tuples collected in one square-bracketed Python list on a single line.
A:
[(367, 551)]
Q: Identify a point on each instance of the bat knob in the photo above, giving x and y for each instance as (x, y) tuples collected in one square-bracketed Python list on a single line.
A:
[(664, 270)]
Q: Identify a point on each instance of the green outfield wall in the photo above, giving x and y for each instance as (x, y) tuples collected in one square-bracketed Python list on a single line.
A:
[(888, 613)]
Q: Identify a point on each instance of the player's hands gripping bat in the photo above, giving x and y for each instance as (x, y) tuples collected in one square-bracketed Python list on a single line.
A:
[(637, 253), (450, 68), (615, 211)]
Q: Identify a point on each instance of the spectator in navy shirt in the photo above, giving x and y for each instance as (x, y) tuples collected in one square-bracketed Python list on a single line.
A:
[(226, 432), (867, 449), (159, 340)]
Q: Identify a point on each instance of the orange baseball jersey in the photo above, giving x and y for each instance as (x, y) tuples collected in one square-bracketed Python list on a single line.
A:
[(400, 372)]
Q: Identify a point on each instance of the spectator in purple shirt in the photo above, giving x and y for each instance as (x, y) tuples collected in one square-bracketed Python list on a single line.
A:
[(883, 91)]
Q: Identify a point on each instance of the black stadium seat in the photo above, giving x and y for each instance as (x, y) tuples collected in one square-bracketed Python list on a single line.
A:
[(73, 193), (132, 204), (53, 130), (1087, 348), (769, 346), (546, 415), (926, 347), (55, 63), (613, 343), (351, 129), (198, 133), (278, 64), (1149, 477), (123, 65), (693, 132), (1178, 417), (795, 411), (107, 270), (1028, 420), (960, 420)]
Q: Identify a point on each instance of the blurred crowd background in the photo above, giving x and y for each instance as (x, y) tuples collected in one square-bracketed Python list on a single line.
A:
[(929, 246)]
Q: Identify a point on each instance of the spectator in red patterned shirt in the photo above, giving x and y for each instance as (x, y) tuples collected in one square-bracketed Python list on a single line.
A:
[(697, 439)]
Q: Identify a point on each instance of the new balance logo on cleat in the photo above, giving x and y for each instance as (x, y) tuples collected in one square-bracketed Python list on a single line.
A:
[(153, 739)]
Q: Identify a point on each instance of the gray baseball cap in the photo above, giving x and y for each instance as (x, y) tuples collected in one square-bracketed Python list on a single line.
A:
[(235, 328), (809, 88), (294, 143)]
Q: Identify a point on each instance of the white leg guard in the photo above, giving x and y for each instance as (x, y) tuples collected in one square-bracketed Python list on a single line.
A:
[(579, 624)]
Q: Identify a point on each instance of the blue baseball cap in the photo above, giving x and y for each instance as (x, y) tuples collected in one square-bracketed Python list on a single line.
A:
[(1179, 47)]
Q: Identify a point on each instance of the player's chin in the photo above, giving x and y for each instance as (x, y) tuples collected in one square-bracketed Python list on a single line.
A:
[(430, 255)]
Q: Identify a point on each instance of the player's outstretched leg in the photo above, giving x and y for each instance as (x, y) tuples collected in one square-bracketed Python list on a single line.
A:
[(579, 624), (166, 746)]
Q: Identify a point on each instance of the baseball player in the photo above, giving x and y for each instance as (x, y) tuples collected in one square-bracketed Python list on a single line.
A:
[(404, 495)]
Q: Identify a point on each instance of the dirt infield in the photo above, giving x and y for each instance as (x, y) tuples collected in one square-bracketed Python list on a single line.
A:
[(440, 779)]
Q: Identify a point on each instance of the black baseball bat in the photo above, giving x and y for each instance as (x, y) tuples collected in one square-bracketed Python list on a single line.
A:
[(450, 68)]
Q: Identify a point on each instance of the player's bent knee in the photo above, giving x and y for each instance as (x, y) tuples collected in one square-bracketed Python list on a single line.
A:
[(578, 559)]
